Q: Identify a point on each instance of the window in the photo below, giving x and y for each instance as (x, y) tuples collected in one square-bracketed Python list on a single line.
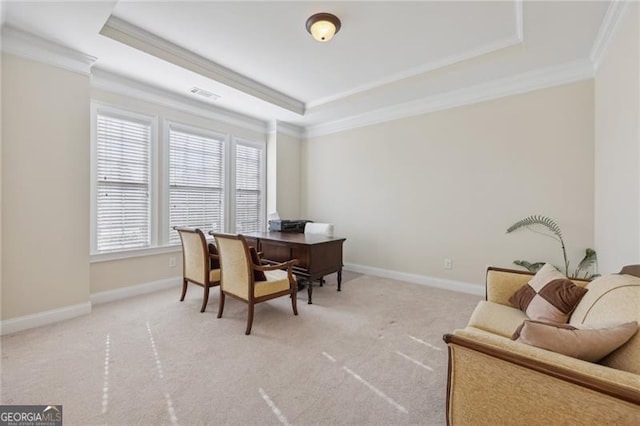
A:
[(122, 183), (249, 202), (147, 182), (196, 182)]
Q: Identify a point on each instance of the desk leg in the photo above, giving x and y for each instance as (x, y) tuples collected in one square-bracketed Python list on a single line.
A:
[(340, 280), (309, 290)]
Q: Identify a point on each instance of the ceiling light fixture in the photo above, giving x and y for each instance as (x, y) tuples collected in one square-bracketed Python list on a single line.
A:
[(323, 26)]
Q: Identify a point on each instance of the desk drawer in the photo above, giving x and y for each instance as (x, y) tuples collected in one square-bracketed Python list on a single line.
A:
[(280, 252)]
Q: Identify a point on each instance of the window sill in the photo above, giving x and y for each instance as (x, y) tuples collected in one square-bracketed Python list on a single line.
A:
[(129, 254)]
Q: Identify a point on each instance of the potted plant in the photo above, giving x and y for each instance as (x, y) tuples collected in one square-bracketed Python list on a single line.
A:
[(586, 269)]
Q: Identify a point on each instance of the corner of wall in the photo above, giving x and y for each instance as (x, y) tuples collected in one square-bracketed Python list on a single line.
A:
[(283, 172), (617, 142), (272, 179), (28, 181), (1, 138)]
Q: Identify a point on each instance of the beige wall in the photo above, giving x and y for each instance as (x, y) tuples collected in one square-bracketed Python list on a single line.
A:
[(1, 21), (283, 175), (45, 187), (272, 176), (116, 274), (409, 193), (288, 170), (617, 147)]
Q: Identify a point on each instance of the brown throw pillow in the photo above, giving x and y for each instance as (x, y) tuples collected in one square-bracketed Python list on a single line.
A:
[(255, 259), (215, 263), (549, 296), (589, 344)]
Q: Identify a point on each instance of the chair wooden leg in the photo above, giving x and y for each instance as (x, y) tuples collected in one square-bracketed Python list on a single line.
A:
[(249, 319), (221, 304), (206, 299), (321, 281), (294, 300), (184, 289)]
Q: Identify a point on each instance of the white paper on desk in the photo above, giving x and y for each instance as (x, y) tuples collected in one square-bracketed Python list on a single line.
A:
[(273, 216)]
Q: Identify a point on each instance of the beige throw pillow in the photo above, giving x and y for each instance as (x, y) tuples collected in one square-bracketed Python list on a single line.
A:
[(549, 296), (589, 344)]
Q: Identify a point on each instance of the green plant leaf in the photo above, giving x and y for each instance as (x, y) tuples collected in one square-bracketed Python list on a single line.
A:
[(589, 260), (530, 222), (531, 267), (533, 220)]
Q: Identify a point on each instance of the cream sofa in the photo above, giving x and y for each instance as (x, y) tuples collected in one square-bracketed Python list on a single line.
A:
[(494, 380)]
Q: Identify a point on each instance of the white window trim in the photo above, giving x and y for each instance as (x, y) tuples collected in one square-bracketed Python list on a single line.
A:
[(129, 254), (159, 180), (164, 208), (262, 145), (97, 108)]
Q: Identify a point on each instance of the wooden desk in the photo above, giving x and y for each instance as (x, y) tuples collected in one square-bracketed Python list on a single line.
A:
[(317, 255)]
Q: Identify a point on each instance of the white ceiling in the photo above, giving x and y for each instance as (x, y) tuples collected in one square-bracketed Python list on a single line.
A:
[(259, 58)]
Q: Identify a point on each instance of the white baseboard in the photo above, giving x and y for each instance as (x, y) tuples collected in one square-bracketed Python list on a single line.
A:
[(134, 290), (14, 325), (458, 286)]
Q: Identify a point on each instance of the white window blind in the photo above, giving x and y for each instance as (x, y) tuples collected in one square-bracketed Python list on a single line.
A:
[(196, 182), (249, 183), (123, 167)]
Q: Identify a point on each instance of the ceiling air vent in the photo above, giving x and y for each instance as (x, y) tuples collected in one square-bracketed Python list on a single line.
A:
[(202, 92)]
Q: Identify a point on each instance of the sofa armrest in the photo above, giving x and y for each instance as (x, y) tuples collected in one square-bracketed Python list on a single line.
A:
[(493, 380)]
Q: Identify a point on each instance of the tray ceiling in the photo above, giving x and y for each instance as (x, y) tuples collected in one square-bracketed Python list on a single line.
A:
[(258, 57)]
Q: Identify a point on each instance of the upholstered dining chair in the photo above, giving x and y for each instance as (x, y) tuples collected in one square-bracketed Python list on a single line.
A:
[(244, 278), (196, 263), (317, 228)]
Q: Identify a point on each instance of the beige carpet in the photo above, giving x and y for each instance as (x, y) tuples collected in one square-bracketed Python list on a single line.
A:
[(369, 355)]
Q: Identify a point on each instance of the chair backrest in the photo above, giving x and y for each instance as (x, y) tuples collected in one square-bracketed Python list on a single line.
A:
[(315, 228), (195, 256), (236, 274)]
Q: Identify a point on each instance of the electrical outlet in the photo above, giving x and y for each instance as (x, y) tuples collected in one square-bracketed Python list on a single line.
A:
[(448, 264), (172, 262)]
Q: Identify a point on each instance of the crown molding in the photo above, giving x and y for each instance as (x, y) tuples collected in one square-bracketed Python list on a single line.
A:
[(513, 85), (449, 60), (130, 35), (116, 83), (485, 49), (616, 11), (277, 126), (30, 46), (290, 129)]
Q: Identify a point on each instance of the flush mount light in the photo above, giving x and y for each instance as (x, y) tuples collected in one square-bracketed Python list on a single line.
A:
[(323, 26)]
